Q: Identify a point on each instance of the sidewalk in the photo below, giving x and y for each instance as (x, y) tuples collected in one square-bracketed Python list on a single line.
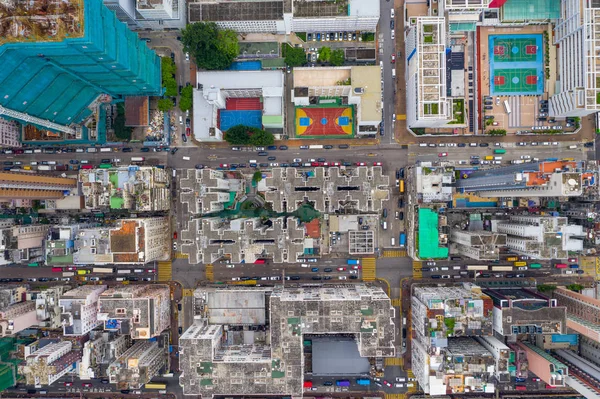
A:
[(296, 143)]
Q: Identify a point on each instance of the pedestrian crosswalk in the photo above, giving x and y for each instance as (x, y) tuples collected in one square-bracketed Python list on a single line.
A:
[(417, 273), (409, 373), (165, 271), (179, 255), (395, 396), (394, 361), (188, 292), (210, 276), (396, 302), (394, 253), (369, 269)]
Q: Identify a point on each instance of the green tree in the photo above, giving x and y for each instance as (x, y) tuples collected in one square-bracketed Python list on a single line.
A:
[(575, 287), (257, 176), (171, 86), (337, 57), (294, 56), (325, 54), (238, 134), (185, 101), (546, 287), (261, 137), (168, 68), (211, 47), (165, 104)]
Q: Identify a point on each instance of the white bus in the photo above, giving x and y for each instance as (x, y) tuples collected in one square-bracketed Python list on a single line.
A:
[(507, 107), (477, 267), (315, 147), (137, 159), (103, 270)]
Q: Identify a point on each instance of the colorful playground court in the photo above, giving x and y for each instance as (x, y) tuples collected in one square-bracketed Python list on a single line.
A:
[(516, 64), (241, 111), (325, 122)]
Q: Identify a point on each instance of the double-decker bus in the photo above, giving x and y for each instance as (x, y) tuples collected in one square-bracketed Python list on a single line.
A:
[(502, 268), (499, 151), (535, 266), (105, 166), (103, 270), (561, 265), (477, 267), (57, 269)]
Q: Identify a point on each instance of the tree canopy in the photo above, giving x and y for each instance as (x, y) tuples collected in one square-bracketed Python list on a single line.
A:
[(185, 101), (211, 46), (168, 70), (165, 104), (261, 137), (294, 56), (325, 54), (337, 57), (241, 135)]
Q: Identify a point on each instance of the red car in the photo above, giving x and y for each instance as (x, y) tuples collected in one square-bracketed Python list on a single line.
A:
[(314, 164), (87, 385), (68, 384), (573, 260), (387, 383), (361, 164), (443, 154), (356, 267), (335, 164), (341, 269), (150, 271), (188, 131), (535, 379), (377, 164), (71, 268), (174, 235), (393, 58), (224, 165)]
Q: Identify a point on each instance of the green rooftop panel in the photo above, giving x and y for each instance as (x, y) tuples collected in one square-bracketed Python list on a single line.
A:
[(429, 243)]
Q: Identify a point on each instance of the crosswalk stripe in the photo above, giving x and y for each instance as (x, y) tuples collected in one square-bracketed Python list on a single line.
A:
[(394, 253), (396, 302), (394, 361), (179, 255), (369, 269), (395, 396), (165, 271), (209, 272)]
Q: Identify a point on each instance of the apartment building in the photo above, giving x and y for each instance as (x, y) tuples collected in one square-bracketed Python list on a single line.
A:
[(80, 309), (34, 186), (49, 363), (137, 365), (10, 133)]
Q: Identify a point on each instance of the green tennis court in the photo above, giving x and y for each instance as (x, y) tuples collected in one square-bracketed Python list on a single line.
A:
[(507, 48), (516, 80)]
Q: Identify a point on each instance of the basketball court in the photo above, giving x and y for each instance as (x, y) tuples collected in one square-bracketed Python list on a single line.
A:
[(324, 122), (516, 64)]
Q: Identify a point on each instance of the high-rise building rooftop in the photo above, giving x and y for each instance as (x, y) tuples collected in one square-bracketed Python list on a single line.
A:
[(63, 62)]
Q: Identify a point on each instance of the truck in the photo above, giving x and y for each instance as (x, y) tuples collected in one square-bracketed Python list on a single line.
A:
[(68, 274), (402, 240), (44, 167), (353, 262)]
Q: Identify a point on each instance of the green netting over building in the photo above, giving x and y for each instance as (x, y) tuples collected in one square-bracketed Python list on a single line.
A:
[(429, 241), (9, 364), (63, 59), (529, 10)]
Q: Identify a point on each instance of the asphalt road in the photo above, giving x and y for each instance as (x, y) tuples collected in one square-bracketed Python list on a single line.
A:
[(385, 51)]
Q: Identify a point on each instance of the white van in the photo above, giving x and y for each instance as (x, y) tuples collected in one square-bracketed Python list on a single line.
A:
[(51, 162), (92, 149), (572, 147), (37, 151), (79, 150), (393, 241), (385, 225), (138, 271), (120, 279), (84, 161), (105, 149), (392, 13), (498, 158), (394, 73), (174, 172), (186, 158), (180, 120)]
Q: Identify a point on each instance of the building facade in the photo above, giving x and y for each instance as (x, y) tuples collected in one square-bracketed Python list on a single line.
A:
[(137, 365), (10, 133), (142, 311), (49, 363), (34, 186), (61, 79), (80, 309), (542, 237), (578, 62)]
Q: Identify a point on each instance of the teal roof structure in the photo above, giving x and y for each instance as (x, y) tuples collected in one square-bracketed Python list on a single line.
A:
[(57, 77), (429, 241)]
